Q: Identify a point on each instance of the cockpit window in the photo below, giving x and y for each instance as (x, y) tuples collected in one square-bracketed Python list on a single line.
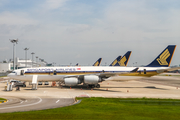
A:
[(13, 72)]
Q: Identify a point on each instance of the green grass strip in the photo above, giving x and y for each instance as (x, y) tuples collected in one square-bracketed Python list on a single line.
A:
[(2, 99), (107, 109), (3, 76)]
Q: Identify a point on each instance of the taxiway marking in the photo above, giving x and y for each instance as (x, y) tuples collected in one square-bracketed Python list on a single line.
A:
[(57, 101), (40, 100)]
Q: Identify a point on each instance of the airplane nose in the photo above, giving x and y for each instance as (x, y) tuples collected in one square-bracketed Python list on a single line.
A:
[(10, 74)]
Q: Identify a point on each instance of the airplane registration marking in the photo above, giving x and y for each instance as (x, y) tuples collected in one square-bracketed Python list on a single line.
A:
[(40, 100)]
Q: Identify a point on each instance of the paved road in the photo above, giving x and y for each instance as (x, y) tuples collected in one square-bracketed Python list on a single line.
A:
[(15, 104)]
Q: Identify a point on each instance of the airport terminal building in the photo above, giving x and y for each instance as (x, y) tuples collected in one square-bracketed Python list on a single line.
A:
[(7, 65)]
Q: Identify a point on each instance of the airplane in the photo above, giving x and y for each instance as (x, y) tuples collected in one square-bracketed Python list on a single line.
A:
[(121, 61), (92, 75), (115, 61), (98, 62)]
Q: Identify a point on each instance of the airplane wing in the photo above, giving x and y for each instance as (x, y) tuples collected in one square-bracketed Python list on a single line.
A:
[(168, 69), (107, 74)]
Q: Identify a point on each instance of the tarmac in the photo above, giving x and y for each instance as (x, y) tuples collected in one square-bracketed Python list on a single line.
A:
[(153, 87)]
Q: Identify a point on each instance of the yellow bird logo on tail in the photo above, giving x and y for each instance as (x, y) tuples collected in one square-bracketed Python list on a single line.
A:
[(122, 61), (96, 64), (163, 57), (114, 62)]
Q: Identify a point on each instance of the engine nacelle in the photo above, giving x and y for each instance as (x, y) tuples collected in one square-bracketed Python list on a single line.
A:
[(72, 81), (91, 79)]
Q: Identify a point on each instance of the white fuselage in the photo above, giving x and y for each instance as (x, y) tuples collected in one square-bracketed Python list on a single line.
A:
[(59, 73)]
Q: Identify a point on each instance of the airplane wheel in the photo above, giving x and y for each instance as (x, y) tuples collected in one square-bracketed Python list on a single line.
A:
[(98, 85)]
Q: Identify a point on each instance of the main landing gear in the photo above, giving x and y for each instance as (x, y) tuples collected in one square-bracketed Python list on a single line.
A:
[(95, 85)]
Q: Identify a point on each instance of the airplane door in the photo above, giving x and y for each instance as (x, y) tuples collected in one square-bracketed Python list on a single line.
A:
[(54, 72), (144, 71), (22, 72)]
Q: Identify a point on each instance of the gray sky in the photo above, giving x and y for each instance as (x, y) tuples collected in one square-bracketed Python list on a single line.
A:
[(81, 31)]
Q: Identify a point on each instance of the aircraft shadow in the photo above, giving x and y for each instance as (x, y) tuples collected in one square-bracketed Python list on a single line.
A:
[(85, 87), (88, 88), (149, 87)]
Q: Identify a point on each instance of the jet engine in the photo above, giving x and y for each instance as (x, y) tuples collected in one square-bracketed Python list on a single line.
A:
[(91, 79), (72, 81)]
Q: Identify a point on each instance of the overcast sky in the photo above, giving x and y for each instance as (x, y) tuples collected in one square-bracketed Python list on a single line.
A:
[(81, 31)]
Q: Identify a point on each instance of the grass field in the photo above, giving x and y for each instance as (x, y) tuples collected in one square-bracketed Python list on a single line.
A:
[(3, 76), (2, 99), (107, 108)]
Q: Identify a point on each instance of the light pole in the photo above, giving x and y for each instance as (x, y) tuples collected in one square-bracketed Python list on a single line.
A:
[(36, 61), (32, 57), (14, 41), (26, 49)]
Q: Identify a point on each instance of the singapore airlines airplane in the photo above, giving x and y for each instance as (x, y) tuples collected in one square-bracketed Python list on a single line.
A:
[(115, 61), (98, 62), (121, 61), (92, 75)]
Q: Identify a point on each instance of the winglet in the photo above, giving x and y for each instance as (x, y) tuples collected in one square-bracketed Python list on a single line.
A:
[(115, 61), (98, 62), (164, 59)]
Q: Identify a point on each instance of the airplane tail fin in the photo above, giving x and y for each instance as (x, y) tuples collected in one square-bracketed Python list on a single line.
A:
[(164, 59), (115, 61), (98, 62), (124, 60)]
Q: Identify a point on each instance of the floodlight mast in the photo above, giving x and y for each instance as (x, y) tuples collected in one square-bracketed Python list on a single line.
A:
[(32, 57), (26, 49), (14, 41), (37, 61)]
